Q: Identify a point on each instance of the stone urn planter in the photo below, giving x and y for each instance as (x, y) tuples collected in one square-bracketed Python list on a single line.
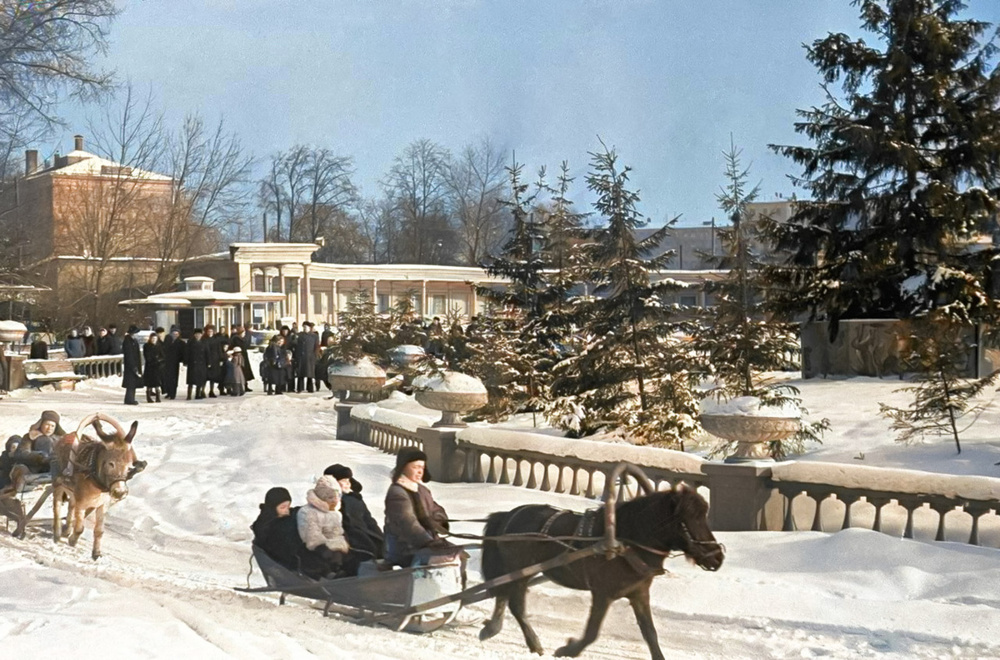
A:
[(452, 393), (12, 332), (360, 379), (750, 425)]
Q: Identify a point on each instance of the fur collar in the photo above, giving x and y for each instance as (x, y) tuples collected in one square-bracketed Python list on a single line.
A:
[(408, 484), (314, 501)]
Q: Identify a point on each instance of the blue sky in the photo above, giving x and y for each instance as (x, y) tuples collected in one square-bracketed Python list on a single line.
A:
[(665, 82)]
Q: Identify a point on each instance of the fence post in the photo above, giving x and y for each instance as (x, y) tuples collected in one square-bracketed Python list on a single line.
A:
[(742, 499), (346, 428), (445, 461)]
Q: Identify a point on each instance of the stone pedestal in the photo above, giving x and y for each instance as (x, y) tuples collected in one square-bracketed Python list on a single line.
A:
[(445, 461), (741, 499), (347, 429)]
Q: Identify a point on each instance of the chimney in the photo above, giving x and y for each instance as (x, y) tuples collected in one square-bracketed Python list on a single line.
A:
[(78, 143), (30, 161)]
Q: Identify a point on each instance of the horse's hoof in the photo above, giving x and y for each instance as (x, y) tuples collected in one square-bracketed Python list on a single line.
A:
[(488, 632), (568, 651), (95, 556)]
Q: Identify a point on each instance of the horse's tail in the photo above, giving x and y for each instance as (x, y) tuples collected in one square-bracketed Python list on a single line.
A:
[(492, 561)]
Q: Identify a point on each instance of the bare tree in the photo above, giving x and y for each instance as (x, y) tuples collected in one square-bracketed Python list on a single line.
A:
[(46, 53), (476, 185), (326, 193), (417, 185), (210, 172), (111, 211)]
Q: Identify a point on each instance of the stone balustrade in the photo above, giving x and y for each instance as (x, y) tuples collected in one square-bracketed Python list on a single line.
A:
[(97, 366), (755, 496)]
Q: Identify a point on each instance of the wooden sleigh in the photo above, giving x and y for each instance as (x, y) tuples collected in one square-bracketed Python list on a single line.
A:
[(22, 500), (386, 596)]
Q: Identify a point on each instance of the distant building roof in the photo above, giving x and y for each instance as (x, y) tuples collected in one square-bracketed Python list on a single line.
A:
[(77, 163)]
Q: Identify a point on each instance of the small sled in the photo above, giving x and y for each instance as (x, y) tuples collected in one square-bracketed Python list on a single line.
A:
[(23, 499), (374, 595)]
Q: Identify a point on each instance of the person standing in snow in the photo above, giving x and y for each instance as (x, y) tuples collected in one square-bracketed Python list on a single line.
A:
[(173, 352), (321, 529), (74, 345), (306, 349), (131, 366), (154, 366), (196, 359)]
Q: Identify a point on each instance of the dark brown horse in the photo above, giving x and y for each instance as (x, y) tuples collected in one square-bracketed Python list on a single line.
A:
[(650, 528)]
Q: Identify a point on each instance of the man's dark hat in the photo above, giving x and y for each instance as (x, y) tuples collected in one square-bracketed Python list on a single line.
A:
[(409, 455), (276, 496), (132, 329), (338, 471)]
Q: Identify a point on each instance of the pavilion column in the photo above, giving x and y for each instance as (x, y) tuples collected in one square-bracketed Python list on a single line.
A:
[(306, 294), (336, 304), (284, 294), (423, 299), (475, 302), (375, 294)]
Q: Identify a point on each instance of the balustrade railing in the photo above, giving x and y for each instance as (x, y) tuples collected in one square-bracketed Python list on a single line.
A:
[(384, 437), (97, 366), (575, 467), (831, 497), (787, 495)]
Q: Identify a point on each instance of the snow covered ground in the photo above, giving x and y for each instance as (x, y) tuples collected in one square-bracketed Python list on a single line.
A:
[(180, 541)]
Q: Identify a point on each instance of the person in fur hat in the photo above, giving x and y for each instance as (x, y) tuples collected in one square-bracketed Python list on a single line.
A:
[(363, 533), (414, 522), (34, 449), (321, 529), (276, 529)]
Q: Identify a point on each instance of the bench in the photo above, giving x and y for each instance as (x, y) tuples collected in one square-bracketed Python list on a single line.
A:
[(57, 372)]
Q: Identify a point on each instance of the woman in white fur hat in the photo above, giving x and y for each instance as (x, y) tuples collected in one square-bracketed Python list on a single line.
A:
[(322, 530)]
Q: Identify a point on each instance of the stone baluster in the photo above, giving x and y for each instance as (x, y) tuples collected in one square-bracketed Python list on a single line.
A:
[(546, 486), (976, 511), (504, 474), (561, 479), (848, 501), (574, 488), (878, 503), (910, 506), (591, 486), (492, 477)]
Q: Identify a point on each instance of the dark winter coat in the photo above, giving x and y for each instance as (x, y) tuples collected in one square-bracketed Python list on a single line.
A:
[(306, 348), (196, 358), (39, 350), (75, 348), (363, 533), (275, 365), (173, 351), (236, 341), (104, 345), (116, 343), (90, 345), (216, 347), (131, 364), (412, 521), (155, 367), (279, 537)]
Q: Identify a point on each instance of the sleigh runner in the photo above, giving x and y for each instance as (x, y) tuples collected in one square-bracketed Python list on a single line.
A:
[(21, 501)]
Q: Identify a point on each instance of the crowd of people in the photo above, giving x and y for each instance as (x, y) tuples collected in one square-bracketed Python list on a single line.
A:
[(333, 533)]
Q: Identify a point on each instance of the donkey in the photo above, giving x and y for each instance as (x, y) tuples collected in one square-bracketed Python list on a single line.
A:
[(91, 475), (651, 527)]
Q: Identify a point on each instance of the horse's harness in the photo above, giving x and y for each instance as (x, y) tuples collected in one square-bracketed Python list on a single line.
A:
[(90, 466)]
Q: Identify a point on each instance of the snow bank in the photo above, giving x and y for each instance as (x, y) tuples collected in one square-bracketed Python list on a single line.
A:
[(398, 410), (586, 450), (892, 480), (363, 368), (749, 406)]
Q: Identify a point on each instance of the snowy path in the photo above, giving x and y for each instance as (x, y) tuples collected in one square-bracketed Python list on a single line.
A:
[(179, 542)]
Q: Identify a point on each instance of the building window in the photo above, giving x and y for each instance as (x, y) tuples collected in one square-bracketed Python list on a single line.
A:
[(689, 301), (383, 303), (438, 305), (318, 307)]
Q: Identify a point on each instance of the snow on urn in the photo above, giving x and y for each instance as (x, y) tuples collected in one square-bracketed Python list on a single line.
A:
[(359, 378), (450, 392), (752, 426), (406, 355), (12, 331)]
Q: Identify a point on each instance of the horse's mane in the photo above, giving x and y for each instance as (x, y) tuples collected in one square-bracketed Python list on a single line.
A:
[(648, 515)]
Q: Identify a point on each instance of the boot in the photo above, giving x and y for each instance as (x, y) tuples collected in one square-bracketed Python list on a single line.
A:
[(201, 393), (190, 388), (149, 395), (211, 391), (157, 390)]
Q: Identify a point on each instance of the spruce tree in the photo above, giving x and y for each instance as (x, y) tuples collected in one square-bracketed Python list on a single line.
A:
[(903, 172), (631, 372), (362, 331), (739, 336), (944, 401)]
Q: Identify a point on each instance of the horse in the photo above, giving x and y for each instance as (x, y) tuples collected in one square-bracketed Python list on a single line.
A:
[(91, 474), (649, 528)]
